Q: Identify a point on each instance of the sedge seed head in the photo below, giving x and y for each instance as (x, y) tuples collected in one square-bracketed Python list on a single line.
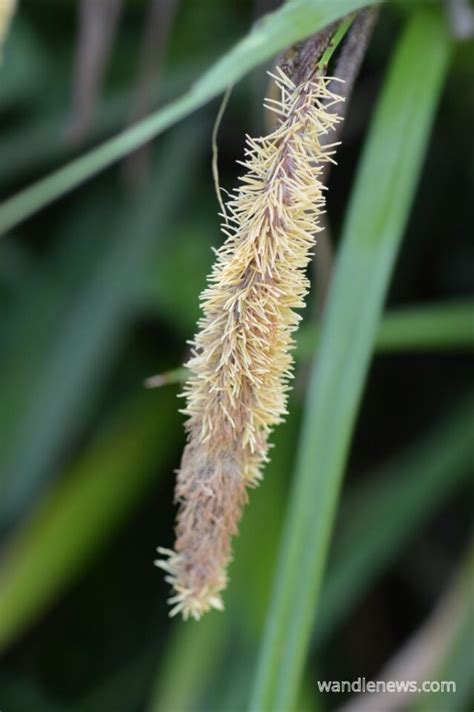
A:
[(241, 361)]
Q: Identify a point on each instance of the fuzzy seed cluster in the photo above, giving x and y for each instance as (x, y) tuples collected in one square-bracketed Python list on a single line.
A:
[(241, 361)]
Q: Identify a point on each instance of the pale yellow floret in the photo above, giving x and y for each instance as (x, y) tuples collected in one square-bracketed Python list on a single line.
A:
[(7, 8), (241, 361)]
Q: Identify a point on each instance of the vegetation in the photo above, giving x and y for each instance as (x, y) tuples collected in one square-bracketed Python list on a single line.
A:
[(357, 540)]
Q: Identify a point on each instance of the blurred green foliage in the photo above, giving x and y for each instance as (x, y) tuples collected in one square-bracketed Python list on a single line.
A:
[(100, 290)]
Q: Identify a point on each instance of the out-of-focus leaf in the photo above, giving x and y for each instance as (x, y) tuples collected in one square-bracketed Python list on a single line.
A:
[(43, 141), (437, 327), (15, 263), (190, 245), (90, 332), (443, 326), (23, 65), (457, 663), (374, 226), (71, 525), (19, 694), (183, 678), (389, 508), (424, 655)]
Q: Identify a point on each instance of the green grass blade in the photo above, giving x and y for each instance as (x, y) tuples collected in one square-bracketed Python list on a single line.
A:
[(295, 20), (376, 219), (54, 545)]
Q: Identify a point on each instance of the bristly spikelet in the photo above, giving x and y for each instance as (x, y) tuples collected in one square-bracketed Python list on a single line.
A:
[(241, 362)]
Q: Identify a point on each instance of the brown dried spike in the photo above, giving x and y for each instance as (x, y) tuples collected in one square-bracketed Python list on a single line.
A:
[(241, 362)]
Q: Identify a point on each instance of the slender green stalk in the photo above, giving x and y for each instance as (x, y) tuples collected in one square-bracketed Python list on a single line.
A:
[(292, 22), (373, 230), (335, 41)]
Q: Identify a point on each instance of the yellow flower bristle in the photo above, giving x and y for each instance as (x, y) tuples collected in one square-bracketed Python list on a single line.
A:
[(7, 8), (241, 360)]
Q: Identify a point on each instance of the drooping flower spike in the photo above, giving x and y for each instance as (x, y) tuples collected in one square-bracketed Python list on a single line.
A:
[(241, 360)]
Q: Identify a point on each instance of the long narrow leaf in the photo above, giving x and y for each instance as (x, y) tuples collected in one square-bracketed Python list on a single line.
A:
[(372, 234)]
